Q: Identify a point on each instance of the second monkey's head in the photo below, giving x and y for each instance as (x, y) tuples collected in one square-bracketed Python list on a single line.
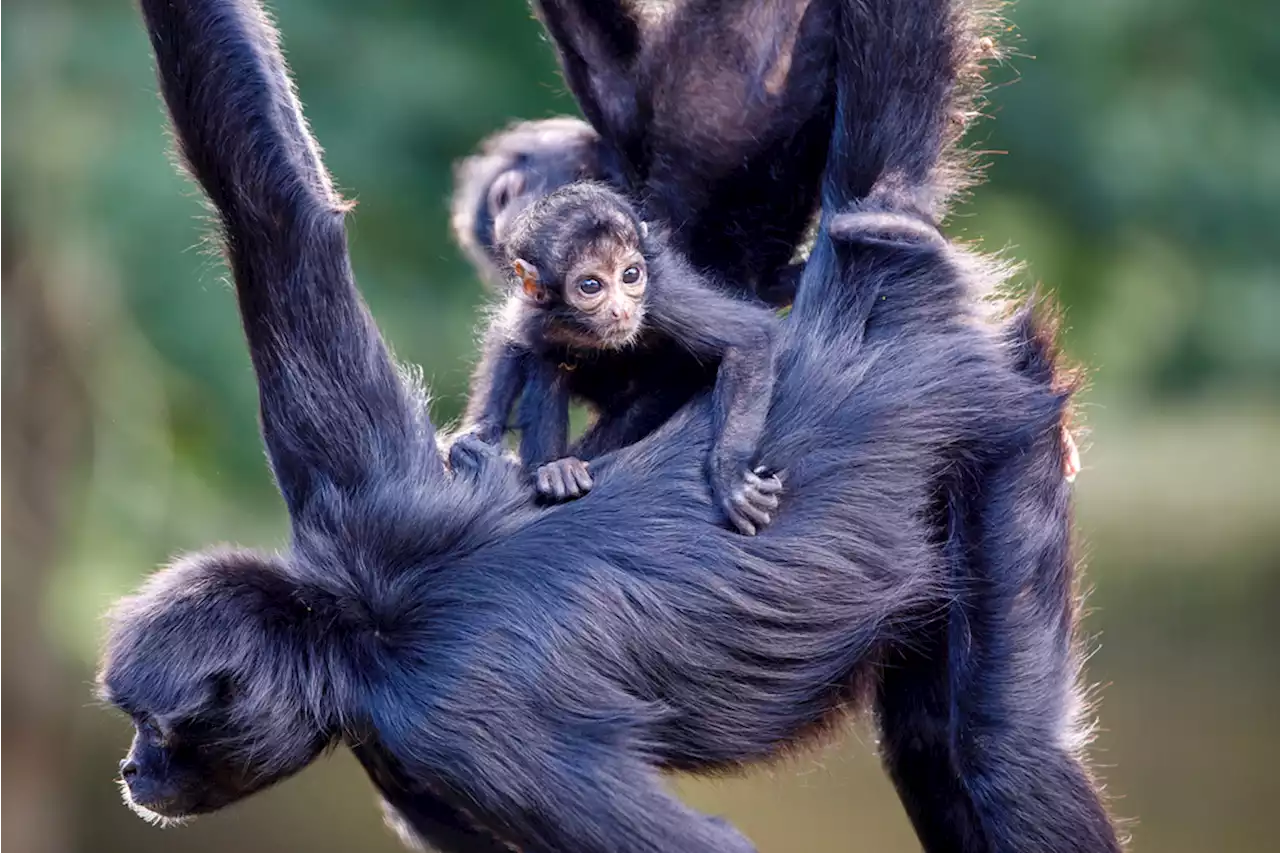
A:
[(578, 255)]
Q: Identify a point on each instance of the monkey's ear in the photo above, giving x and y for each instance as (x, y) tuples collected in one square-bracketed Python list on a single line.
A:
[(529, 279), (644, 229)]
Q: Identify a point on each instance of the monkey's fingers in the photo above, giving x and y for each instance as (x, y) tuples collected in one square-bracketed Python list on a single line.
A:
[(740, 521), (469, 453), (767, 484), (757, 508), (544, 481), (564, 479), (583, 476), (750, 511), (560, 484)]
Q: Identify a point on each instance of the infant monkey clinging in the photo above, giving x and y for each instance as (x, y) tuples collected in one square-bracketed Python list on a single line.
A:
[(598, 302)]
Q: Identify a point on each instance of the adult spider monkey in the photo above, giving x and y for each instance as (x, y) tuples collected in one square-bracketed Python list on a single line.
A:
[(498, 698)]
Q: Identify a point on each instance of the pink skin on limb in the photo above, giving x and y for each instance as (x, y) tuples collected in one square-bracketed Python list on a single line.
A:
[(1071, 461)]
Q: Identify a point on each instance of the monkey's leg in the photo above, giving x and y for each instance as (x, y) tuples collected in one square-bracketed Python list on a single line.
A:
[(424, 821), (629, 813), (627, 424), (981, 738), (597, 42)]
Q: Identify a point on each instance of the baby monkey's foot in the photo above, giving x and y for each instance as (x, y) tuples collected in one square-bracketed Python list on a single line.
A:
[(563, 480), (751, 500)]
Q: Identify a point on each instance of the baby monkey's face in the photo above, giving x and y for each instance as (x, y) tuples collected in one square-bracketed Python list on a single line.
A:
[(604, 285)]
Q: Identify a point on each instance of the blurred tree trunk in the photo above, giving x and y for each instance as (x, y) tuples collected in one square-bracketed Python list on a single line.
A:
[(43, 426)]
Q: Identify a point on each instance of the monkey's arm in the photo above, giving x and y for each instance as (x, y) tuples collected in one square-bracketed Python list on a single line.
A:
[(544, 434), (741, 335), (597, 40), (498, 380), (335, 410)]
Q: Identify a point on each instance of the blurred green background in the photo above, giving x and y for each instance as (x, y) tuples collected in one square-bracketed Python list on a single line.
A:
[(1138, 175)]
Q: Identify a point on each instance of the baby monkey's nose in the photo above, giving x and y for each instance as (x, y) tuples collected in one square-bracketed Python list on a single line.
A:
[(620, 312), (128, 769)]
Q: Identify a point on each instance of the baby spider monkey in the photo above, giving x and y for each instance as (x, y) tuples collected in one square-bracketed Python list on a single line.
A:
[(605, 311)]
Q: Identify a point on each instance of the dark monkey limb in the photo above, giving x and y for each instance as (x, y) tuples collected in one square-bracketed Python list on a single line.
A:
[(500, 698)]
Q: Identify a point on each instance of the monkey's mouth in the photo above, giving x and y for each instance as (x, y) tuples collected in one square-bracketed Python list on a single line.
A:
[(161, 811), (620, 334), (617, 338)]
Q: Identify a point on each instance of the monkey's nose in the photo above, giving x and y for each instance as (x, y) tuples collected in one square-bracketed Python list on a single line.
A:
[(128, 769), (620, 312)]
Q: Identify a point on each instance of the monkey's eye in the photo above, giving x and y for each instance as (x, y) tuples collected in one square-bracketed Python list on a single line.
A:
[(631, 274), (505, 187), (590, 286), (148, 728)]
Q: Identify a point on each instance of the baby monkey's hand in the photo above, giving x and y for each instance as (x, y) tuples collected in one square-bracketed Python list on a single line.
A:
[(563, 480), (748, 498), (470, 452)]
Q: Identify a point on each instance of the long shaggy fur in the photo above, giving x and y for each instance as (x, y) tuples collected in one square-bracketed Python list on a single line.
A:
[(513, 675)]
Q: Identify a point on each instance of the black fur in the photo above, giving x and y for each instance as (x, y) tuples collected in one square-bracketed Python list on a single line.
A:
[(500, 696)]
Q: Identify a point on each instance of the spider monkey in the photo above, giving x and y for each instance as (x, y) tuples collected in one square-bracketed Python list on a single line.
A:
[(599, 302), (714, 116), (500, 699)]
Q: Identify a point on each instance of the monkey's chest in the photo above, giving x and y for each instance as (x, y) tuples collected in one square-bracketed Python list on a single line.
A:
[(609, 381)]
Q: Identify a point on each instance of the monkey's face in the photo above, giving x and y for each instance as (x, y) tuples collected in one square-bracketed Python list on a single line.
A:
[(515, 168), (172, 771), (194, 758), (212, 722), (605, 289)]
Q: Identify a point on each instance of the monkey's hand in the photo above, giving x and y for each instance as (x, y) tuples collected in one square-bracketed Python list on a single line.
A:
[(470, 452), (563, 480), (748, 498)]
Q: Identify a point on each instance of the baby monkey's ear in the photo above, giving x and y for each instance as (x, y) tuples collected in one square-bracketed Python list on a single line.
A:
[(529, 280), (644, 229)]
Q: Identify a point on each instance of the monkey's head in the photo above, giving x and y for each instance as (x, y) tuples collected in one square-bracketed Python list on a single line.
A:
[(512, 169), (201, 661), (579, 255)]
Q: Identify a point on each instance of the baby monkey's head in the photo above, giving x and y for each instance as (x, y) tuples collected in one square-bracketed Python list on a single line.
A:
[(578, 254)]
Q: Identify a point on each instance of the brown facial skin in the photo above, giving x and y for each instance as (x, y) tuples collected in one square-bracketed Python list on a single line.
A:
[(606, 288), (594, 296)]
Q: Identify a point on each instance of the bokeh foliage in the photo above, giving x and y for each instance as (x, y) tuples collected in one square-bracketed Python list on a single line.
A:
[(1139, 178)]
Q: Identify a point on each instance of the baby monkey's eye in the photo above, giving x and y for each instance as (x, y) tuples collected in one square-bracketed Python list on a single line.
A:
[(631, 275), (590, 286)]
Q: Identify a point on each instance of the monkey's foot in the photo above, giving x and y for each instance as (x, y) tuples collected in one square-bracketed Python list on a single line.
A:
[(750, 501), (563, 480)]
